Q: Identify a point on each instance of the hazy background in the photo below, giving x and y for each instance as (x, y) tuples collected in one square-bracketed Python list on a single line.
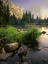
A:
[(28, 3)]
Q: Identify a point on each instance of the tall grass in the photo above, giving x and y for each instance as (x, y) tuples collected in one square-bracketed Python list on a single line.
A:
[(12, 35), (30, 36), (2, 32)]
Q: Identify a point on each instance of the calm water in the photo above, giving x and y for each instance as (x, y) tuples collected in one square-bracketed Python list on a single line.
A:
[(34, 57)]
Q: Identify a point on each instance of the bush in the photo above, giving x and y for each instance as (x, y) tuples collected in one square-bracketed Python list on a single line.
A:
[(30, 36), (10, 33), (19, 37), (2, 32)]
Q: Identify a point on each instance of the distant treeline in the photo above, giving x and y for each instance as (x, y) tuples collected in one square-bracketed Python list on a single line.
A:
[(6, 19)]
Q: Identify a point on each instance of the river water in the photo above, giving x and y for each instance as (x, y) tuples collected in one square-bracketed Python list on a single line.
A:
[(34, 56)]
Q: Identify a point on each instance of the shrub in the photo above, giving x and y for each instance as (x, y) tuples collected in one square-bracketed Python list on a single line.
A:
[(19, 38), (2, 32), (11, 34), (30, 36)]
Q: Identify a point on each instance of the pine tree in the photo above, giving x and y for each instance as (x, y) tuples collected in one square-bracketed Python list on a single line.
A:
[(4, 14), (26, 17), (7, 14), (1, 8)]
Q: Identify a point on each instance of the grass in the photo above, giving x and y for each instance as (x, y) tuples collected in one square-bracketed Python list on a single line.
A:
[(13, 35)]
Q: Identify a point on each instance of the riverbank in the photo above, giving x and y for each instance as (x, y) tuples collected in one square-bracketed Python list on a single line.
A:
[(32, 57)]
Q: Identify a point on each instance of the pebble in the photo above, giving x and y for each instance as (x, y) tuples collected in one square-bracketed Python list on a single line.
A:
[(44, 60), (3, 63), (24, 63), (17, 63)]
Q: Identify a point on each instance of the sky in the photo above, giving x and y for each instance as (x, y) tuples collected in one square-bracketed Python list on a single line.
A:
[(28, 3)]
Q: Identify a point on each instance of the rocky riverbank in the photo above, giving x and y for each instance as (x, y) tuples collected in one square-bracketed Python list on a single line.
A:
[(33, 56)]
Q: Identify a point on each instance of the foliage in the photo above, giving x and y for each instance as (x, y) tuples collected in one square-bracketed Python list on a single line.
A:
[(1, 7), (10, 33), (19, 37), (30, 36), (4, 14), (13, 20), (26, 18), (2, 32), (39, 22), (7, 14)]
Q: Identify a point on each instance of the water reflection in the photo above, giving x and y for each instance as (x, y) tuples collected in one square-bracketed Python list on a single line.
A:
[(43, 29), (43, 39)]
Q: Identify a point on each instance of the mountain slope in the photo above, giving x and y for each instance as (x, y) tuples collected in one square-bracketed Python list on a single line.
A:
[(16, 10), (37, 11)]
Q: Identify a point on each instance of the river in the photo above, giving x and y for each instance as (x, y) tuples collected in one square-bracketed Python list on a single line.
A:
[(34, 56)]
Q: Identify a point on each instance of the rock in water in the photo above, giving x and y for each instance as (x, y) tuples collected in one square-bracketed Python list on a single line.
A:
[(17, 63), (5, 56), (2, 50), (3, 63), (11, 47), (44, 60), (24, 63), (22, 51)]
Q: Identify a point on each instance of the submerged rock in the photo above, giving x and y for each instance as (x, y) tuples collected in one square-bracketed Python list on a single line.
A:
[(46, 34), (29, 62), (23, 57), (44, 60), (24, 63), (22, 51), (4, 63), (17, 63), (36, 48)]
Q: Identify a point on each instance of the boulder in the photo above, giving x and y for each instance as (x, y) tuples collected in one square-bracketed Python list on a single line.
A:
[(2, 50), (43, 32), (11, 47), (4, 56), (36, 48), (22, 51)]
